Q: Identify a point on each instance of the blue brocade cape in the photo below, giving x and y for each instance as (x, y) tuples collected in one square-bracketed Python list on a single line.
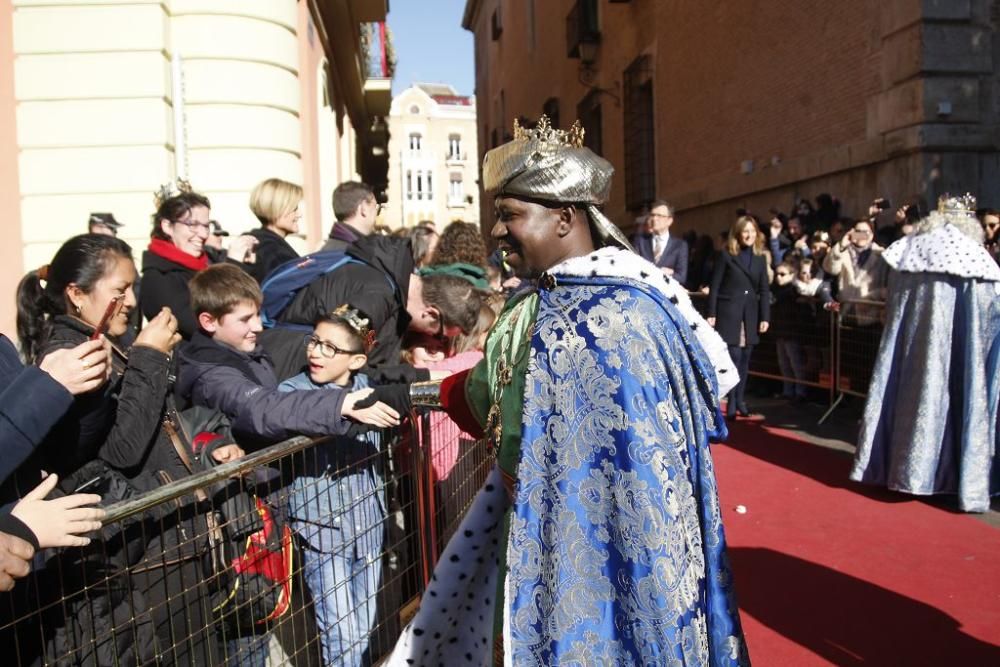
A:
[(615, 551)]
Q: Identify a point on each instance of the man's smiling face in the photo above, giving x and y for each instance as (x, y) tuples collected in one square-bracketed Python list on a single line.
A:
[(527, 235)]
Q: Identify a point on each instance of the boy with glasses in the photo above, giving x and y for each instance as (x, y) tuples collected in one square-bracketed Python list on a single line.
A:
[(336, 501)]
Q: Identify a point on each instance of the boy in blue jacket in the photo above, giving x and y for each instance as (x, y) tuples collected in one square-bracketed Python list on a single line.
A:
[(336, 503)]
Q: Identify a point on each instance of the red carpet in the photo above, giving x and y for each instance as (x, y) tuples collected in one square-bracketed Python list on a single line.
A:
[(832, 572)]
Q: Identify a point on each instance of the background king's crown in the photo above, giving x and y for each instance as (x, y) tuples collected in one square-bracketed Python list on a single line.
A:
[(962, 204), (544, 132), (171, 189)]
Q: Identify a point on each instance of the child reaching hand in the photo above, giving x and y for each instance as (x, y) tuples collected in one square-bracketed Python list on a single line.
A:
[(336, 503), (224, 367)]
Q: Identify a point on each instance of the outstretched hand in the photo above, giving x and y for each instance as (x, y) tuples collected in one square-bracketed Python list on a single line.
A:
[(60, 522), (361, 406)]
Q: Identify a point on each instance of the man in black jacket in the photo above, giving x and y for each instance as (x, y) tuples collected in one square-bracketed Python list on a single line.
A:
[(383, 285), (356, 210)]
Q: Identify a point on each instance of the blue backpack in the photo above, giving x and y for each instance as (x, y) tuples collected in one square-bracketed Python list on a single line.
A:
[(284, 282)]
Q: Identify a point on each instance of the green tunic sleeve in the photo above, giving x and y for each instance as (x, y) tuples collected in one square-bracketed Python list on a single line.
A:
[(508, 345)]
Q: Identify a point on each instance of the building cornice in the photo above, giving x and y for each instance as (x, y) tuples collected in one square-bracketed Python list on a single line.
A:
[(471, 13)]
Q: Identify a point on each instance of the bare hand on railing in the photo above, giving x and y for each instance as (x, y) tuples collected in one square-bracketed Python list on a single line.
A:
[(362, 407), (227, 453), (832, 306), (82, 368), (161, 332), (59, 522), (15, 560)]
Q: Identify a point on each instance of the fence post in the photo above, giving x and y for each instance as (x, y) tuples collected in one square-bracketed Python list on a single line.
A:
[(425, 499), (834, 367)]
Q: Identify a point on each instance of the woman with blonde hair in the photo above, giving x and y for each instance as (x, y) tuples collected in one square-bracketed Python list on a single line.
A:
[(739, 301), (276, 203)]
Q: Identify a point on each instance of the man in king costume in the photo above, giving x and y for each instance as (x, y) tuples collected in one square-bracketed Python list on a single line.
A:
[(930, 421), (597, 539)]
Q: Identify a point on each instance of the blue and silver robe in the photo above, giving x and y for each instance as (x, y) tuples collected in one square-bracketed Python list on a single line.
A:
[(615, 550)]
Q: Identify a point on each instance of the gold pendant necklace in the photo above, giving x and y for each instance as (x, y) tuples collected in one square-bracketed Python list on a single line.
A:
[(505, 374)]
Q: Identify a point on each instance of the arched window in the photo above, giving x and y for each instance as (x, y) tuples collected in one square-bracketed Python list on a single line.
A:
[(415, 140), (409, 184)]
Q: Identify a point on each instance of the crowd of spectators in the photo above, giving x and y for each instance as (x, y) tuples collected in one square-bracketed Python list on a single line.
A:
[(339, 363), (818, 261), (403, 306)]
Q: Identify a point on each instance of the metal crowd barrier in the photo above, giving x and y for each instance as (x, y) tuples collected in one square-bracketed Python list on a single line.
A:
[(859, 326), (834, 352), (159, 585), (188, 574)]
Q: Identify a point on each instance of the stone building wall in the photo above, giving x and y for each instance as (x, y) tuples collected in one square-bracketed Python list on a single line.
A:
[(756, 104)]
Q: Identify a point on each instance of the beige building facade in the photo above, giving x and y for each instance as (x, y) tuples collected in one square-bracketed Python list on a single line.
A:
[(101, 103), (433, 157)]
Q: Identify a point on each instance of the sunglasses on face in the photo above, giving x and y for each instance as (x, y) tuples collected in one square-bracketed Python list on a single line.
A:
[(326, 348)]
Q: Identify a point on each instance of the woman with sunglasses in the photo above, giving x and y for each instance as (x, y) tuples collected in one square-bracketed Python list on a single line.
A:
[(176, 252)]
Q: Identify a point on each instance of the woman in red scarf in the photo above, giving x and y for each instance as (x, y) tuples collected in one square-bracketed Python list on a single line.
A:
[(176, 252)]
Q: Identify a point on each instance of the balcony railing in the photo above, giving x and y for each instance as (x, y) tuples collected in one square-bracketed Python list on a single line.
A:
[(378, 55)]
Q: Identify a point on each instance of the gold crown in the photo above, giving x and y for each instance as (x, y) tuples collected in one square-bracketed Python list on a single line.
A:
[(171, 189), (361, 325), (544, 132), (963, 204)]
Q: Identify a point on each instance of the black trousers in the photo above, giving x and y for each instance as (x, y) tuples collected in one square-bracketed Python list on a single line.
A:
[(740, 357)]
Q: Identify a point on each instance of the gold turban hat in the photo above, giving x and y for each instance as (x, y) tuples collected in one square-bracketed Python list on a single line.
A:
[(550, 165)]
